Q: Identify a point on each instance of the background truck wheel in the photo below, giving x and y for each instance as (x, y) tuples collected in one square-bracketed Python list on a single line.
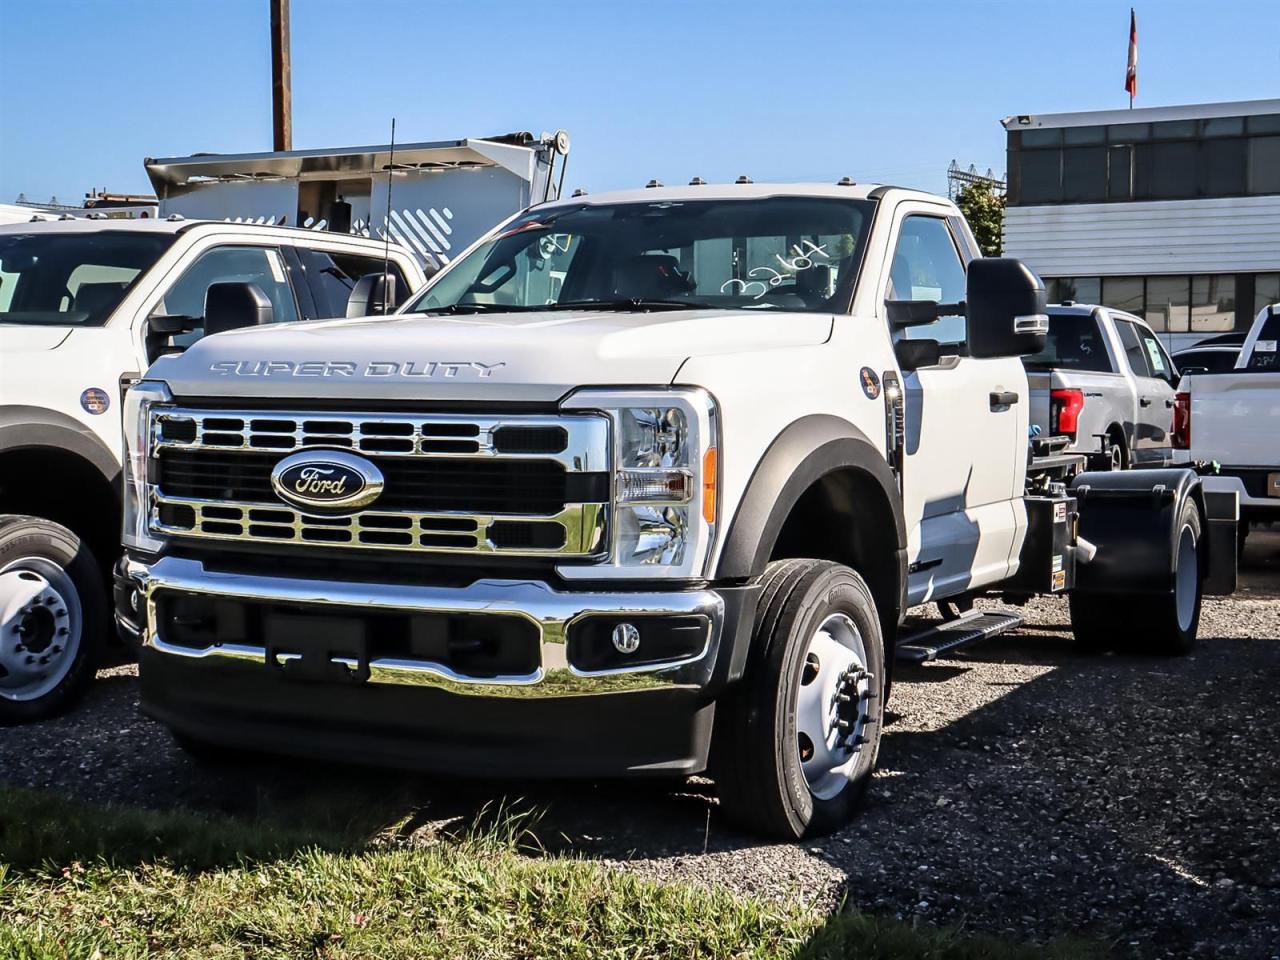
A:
[(797, 737), (53, 618), (1164, 624)]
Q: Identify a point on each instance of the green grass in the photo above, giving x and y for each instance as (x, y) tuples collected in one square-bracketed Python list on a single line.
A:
[(80, 882)]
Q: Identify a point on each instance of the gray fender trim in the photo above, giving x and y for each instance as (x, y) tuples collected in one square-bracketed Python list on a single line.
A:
[(807, 450), (26, 427)]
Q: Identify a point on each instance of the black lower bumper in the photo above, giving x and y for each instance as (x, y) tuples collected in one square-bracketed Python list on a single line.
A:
[(647, 732)]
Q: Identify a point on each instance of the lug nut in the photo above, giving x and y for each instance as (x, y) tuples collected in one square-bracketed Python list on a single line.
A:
[(60, 613), (57, 649), (63, 631), (29, 660)]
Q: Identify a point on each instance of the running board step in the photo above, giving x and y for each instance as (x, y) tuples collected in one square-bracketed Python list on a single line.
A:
[(932, 642)]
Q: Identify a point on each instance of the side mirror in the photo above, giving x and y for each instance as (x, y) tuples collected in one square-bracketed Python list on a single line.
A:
[(914, 354), (1005, 306), (168, 324), (918, 313), (374, 293), (232, 305)]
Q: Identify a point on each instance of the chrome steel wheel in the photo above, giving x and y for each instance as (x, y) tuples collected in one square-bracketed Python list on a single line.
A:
[(831, 705), (40, 627)]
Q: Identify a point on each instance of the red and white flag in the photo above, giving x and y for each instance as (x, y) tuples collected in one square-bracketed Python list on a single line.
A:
[(1131, 74)]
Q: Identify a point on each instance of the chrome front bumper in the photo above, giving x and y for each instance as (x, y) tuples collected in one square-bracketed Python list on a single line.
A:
[(553, 612)]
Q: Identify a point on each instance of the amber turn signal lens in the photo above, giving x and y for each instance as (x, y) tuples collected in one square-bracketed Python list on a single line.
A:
[(709, 485)]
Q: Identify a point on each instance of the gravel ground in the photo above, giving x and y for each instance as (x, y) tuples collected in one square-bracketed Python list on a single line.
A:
[(1024, 790)]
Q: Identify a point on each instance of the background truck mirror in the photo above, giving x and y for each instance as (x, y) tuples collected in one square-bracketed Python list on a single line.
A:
[(231, 305), (374, 293), (1005, 304)]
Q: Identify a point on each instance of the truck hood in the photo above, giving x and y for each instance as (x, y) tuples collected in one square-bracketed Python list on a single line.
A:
[(512, 356), (17, 338)]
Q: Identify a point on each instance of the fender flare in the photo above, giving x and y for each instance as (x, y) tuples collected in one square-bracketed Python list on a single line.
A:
[(807, 450), (24, 428)]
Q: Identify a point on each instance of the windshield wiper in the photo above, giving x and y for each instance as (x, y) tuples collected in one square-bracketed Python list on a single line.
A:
[(628, 303), (460, 308)]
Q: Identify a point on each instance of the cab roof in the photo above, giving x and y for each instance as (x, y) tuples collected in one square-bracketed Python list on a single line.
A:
[(167, 226), (745, 191)]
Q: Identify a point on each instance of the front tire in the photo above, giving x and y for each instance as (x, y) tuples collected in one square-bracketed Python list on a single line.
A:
[(797, 738), (53, 618)]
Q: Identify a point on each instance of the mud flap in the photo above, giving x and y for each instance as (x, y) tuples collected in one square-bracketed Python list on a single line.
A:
[(1131, 517)]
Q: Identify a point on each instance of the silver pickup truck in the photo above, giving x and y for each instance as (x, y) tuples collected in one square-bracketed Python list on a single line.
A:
[(1104, 380)]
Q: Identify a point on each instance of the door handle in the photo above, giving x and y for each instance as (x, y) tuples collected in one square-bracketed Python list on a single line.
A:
[(1168, 403), (1144, 401), (1003, 398)]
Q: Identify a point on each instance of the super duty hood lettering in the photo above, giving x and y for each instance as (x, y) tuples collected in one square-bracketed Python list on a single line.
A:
[(428, 369)]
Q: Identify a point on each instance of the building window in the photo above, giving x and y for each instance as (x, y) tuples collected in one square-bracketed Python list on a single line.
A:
[(1075, 289), (1040, 176), (1084, 174), (1264, 165), (1266, 291), (1168, 160), (1123, 293), (1165, 171), (1224, 164), (1168, 304), (1213, 304)]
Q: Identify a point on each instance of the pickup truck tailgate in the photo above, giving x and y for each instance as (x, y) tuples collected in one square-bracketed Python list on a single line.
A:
[(1235, 417)]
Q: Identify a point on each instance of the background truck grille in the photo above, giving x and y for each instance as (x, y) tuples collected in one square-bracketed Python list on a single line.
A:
[(514, 485)]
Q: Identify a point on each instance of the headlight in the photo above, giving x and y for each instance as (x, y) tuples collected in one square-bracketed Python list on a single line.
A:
[(665, 466), (138, 401)]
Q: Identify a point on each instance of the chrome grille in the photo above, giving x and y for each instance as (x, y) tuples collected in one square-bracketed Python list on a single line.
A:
[(510, 485)]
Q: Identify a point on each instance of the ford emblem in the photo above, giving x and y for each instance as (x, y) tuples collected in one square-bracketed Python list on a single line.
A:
[(327, 480)]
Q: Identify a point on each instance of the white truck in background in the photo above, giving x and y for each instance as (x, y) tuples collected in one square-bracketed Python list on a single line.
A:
[(1232, 419), (643, 485), (86, 304)]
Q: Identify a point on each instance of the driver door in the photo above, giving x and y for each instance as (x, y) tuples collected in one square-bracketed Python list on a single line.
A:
[(966, 424)]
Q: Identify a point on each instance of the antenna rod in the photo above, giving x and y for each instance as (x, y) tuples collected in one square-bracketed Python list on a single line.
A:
[(386, 230)]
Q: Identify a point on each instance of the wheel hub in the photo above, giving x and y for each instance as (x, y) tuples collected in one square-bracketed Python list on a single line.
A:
[(833, 705), (39, 628)]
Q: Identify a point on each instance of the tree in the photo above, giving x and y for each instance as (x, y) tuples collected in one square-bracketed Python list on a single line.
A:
[(984, 209)]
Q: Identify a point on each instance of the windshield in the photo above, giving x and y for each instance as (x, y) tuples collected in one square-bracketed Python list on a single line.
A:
[(776, 253), (1074, 343), (72, 279)]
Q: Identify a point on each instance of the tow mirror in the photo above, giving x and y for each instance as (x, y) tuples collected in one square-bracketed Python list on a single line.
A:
[(918, 313), (1005, 308), (373, 294), (914, 354), (231, 305), (169, 324)]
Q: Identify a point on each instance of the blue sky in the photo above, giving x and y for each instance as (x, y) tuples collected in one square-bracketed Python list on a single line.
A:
[(806, 89)]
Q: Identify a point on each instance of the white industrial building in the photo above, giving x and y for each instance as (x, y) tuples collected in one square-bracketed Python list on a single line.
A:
[(1171, 213)]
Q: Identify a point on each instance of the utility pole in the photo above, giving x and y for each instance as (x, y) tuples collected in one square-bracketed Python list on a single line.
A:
[(281, 77)]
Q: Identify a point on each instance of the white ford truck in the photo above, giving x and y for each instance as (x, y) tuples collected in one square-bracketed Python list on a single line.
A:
[(642, 484), (85, 303), (1233, 419)]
